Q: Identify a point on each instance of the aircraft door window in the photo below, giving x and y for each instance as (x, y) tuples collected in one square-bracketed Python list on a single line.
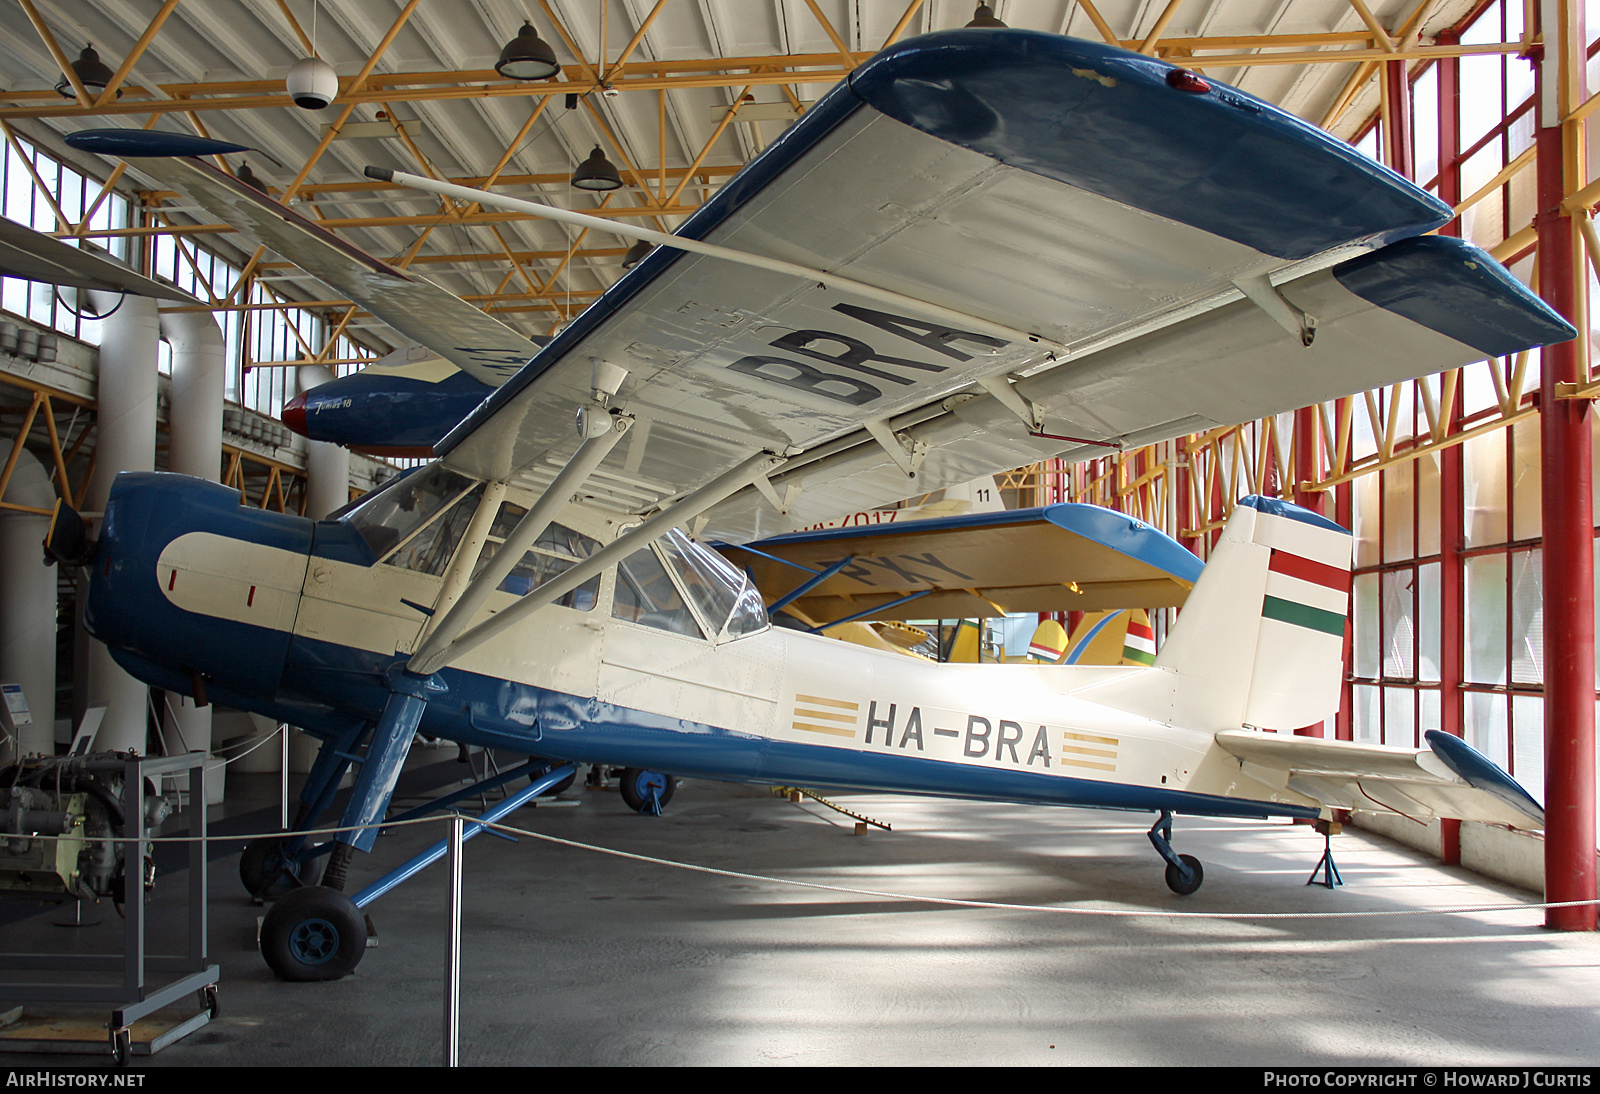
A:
[(556, 551), (726, 600), (647, 595)]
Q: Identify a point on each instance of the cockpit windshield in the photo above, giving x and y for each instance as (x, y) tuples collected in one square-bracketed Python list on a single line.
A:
[(398, 518), (724, 596)]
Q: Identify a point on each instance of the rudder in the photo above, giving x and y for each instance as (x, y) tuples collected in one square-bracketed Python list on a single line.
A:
[(1260, 641)]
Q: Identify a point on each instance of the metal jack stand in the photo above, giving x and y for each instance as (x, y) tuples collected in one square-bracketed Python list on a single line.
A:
[(1325, 866), (135, 999)]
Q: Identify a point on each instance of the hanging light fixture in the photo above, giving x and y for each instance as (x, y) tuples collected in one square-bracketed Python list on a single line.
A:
[(597, 173), (250, 178), (527, 57), (636, 254), (984, 17), (92, 74), (312, 83)]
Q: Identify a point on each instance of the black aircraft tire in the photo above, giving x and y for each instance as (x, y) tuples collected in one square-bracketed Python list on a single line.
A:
[(1175, 880), (636, 784), (315, 933)]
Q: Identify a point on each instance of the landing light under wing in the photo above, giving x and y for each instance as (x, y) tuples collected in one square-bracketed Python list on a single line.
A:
[(1066, 557)]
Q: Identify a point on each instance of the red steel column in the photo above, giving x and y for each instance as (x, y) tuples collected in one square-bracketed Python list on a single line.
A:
[(1397, 125), (1343, 724), (1307, 462), (1569, 692), (1452, 515)]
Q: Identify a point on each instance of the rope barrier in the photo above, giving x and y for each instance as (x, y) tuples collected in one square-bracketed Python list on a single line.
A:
[(881, 894)]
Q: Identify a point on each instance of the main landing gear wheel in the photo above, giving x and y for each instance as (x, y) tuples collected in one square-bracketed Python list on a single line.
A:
[(647, 791), (1175, 880), (268, 874), (315, 933)]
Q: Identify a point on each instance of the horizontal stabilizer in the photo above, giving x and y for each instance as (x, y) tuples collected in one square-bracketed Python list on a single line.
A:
[(1449, 779)]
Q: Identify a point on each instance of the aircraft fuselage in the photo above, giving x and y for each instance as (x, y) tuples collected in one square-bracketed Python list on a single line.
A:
[(300, 620)]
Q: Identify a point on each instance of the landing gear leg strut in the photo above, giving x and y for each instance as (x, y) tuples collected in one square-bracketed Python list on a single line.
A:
[(319, 933), (1184, 873)]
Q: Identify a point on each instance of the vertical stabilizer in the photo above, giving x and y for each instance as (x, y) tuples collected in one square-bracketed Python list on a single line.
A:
[(1260, 641)]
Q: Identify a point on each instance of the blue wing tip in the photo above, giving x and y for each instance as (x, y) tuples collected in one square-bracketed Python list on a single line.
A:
[(1482, 772)]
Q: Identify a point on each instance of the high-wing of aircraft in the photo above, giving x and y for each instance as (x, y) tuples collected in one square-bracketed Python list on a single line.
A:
[(35, 256), (984, 248)]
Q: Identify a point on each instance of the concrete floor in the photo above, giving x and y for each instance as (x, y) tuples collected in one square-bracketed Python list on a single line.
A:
[(571, 957)]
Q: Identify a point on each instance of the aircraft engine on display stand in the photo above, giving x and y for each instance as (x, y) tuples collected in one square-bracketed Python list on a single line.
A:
[(79, 798)]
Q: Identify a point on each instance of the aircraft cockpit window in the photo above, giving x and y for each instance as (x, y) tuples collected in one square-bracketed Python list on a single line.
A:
[(725, 598), (429, 549), (647, 595), (392, 520), (556, 551)]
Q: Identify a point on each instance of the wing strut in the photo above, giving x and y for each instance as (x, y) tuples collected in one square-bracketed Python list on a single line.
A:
[(440, 650), (532, 525)]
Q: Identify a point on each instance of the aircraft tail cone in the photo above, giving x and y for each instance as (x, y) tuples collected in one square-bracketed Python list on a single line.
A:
[(294, 414)]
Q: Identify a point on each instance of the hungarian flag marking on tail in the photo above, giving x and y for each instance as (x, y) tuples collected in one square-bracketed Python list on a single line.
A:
[(1049, 642), (1140, 644), (1305, 593)]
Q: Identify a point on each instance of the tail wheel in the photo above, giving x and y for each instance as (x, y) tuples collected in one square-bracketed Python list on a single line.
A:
[(313, 934), (1175, 880), (647, 791)]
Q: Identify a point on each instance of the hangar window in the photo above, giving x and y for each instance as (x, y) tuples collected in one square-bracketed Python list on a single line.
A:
[(556, 551)]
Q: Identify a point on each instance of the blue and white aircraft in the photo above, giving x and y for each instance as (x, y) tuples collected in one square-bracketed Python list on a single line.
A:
[(983, 244)]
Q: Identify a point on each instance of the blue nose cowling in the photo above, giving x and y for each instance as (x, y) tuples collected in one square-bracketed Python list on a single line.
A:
[(128, 610)]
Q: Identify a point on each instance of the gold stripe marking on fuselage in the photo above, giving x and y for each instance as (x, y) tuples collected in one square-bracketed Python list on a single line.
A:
[(1085, 763), (1111, 755), (837, 731), (800, 712), (820, 701), (1091, 738)]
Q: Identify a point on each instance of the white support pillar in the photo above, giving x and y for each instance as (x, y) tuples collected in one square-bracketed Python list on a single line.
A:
[(28, 605), (327, 465), (125, 441), (194, 436)]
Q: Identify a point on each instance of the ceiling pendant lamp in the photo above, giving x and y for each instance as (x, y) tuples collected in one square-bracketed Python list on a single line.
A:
[(597, 173), (250, 178), (312, 83), (984, 17), (527, 57), (92, 73)]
